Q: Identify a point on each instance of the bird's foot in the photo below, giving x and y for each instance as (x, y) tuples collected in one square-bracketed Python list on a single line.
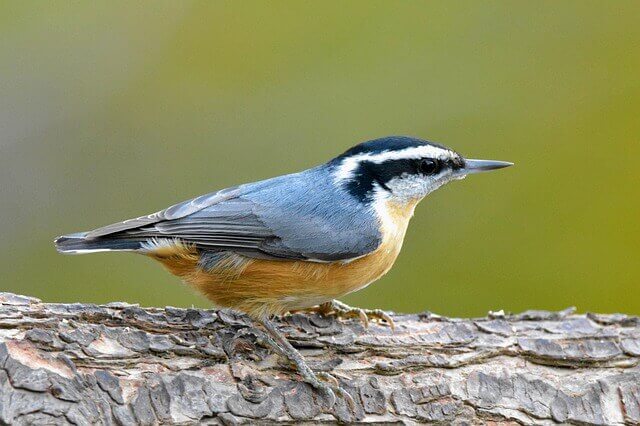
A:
[(325, 383), (329, 386), (342, 310)]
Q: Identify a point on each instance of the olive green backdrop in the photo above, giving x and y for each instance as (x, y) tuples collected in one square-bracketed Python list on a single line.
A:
[(110, 110)]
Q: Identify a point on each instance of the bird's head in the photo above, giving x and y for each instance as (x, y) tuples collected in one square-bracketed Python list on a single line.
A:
[(402, 169)]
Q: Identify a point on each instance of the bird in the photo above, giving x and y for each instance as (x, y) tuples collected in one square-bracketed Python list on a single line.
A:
[(294, 242)]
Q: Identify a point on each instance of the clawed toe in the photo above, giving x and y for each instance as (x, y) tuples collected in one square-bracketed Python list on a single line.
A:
[(342, 310), (330, 386), (327, 391), (328, 378), (346, 396), (383, 316)]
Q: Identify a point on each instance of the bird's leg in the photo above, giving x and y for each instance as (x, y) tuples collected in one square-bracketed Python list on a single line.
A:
[(324, 382), (342, 310)]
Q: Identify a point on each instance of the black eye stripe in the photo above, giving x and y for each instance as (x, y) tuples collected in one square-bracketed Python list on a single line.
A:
[(368, 173)]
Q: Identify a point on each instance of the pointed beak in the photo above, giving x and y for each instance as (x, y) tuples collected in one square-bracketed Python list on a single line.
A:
[(479, 166)]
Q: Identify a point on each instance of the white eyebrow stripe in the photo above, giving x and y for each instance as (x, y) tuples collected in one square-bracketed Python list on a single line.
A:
[(349, 164)]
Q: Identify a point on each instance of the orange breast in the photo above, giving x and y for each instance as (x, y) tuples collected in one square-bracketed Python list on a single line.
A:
[(266, 287)]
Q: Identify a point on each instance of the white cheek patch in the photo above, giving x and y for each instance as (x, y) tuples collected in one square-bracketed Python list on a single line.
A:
[(410, 187)]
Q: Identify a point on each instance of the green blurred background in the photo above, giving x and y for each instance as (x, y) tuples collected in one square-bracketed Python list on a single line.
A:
[(110, 110)]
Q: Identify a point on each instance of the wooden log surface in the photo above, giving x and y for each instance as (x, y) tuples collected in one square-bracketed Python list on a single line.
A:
[(122, 364)]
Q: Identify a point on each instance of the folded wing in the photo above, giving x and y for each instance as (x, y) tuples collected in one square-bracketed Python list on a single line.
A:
[(227, 222)]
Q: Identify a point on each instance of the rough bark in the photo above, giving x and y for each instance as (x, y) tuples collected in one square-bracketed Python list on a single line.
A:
[(122, 364)]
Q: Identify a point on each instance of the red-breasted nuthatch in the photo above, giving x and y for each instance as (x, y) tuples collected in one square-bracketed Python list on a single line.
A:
[(295, 241)]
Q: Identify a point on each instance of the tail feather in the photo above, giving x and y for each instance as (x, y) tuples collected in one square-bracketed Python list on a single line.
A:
[(80, 244)]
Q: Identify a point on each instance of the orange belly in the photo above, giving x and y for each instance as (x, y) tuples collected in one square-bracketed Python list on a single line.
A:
[(267, 287)]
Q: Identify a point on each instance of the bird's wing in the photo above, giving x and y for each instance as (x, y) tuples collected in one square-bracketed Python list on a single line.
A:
[(174, 212), (230, 221), (229, 225)]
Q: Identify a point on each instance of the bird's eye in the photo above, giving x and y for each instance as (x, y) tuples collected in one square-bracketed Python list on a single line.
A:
[(429, 166)]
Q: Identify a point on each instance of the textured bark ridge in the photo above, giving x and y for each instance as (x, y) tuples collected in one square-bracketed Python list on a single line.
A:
[(122, 364)]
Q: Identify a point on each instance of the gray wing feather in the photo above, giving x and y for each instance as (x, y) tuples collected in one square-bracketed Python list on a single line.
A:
[(228, 225), (174, 212), (290, 217)]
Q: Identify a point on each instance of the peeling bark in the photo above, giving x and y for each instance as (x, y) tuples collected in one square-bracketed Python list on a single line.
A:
[(122, 364)]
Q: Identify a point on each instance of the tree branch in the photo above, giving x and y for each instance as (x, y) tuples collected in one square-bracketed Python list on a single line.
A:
[(122, 364)]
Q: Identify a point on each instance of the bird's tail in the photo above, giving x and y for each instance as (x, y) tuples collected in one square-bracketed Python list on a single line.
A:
[(80, 244)]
